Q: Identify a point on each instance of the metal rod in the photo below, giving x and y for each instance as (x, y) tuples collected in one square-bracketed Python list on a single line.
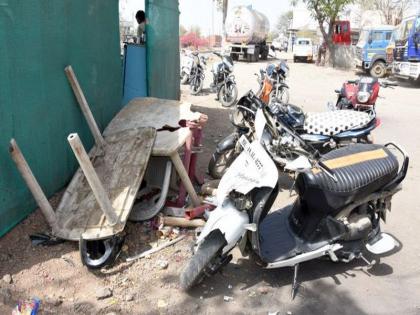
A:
[(84, 106), (156, 249), (92, 178), (33, 185)]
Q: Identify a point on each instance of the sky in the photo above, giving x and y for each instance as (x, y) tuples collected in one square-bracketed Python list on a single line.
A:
[(203, 12)]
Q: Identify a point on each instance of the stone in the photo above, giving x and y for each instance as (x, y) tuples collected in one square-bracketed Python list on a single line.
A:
[(162, 304), (163, 264), (7, 279), (129, 297), (103, 293), (263, 290), (227, 298), (55, 301)]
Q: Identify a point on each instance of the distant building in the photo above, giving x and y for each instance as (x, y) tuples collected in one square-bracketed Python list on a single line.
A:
[(214, 40)]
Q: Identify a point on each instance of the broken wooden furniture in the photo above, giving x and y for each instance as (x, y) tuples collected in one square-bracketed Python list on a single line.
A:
[(97, 203), (166, 116)]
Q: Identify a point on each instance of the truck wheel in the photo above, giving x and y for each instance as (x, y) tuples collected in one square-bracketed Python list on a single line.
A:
[(234, 57), (264, 54), (256, 54), (378, 69)]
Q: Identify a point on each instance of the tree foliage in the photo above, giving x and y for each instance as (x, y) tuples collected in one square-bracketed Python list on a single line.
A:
[(326, 13), (391, 10), (283, 22)]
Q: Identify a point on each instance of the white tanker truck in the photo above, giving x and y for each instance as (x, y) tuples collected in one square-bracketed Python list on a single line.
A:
[(246, 33)]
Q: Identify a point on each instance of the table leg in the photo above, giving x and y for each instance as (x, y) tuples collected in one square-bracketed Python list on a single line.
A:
[(179, 166)]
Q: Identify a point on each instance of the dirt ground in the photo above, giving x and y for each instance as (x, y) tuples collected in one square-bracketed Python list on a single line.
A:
[(392, 286)]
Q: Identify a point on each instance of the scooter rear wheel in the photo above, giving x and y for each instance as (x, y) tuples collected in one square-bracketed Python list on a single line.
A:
[(202, 263)]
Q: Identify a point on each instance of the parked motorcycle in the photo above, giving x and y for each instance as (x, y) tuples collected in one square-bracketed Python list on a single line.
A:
[(189, 62), (342, 197), (325, 131), (224, 81), (272, 83), (360, 94), (197, 76)]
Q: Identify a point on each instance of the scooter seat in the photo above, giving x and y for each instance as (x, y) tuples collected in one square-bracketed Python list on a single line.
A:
[(335, 122), (360, 169)]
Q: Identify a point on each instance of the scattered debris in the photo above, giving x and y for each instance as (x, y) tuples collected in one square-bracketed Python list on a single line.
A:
[(227, 298), (201, 297), (156, 249), (103, 293), (27, 307), (55, 301), (7, 279), (273, 313), (180, 222), (129, 297), (124, 248), (230, 287), (263, 290), (162, 304), (163, 264), (289, 313), (252, 294), (68, 260)]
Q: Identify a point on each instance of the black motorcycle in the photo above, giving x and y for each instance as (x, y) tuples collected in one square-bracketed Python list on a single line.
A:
[(224, 81), (197, 76), (342, 197), (324, 131)]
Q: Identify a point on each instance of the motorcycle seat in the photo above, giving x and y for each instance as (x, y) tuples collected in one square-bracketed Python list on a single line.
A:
[(360, 169), (334, 122)]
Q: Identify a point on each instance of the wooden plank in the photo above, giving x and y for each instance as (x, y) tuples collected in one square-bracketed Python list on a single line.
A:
[(120, 169)]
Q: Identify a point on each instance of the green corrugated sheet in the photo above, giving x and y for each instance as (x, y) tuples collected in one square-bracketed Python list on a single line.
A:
[(163, 48), (38, 38)]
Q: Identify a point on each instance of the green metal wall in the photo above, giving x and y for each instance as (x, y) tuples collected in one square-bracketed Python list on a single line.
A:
[(38, 38), (163, 48)]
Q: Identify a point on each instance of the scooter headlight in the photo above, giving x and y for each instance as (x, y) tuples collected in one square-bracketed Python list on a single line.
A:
[(363, 97)]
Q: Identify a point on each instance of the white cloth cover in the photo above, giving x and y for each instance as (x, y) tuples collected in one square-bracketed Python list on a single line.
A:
[(334, 122)]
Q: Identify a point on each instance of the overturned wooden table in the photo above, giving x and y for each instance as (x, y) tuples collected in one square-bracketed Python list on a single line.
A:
[(98, 200)]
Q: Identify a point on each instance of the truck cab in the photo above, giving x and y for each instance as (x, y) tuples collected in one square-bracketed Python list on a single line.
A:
[(407, 49), (371, 50)]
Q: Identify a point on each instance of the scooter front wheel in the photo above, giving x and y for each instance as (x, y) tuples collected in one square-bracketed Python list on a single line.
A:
[(220, 162), (204, 262)]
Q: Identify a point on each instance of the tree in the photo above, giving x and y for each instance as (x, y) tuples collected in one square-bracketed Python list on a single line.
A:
[(326, 13), (392, 10), (283, 22)]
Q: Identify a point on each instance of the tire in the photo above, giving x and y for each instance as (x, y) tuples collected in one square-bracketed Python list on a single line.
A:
[(282, 98), (264, 53), (220, 162), (228, 98), (198, 267), (256, 56), (196, 85), (184, 78), (378, 70), (235, 57), (99, 253)]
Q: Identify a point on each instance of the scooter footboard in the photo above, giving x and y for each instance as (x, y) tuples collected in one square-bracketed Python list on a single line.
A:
[(230, 221)]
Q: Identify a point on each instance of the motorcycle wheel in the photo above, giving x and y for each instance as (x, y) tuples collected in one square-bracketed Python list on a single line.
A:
[(184, 78), (99, 253), (196, 85), (282, 98), (227, 97), (203, 259), (220, 162)]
